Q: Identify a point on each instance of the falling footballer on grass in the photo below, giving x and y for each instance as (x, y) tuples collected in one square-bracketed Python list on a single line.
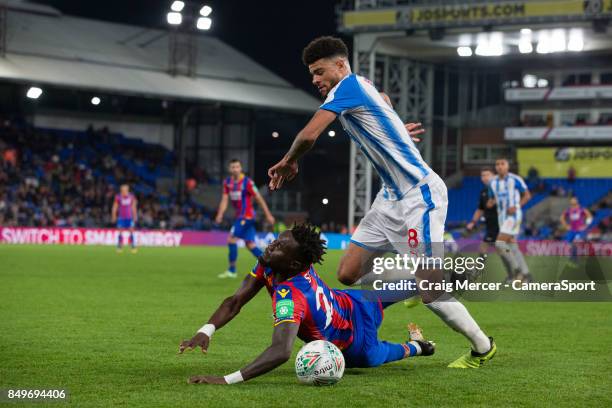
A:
[(320, 363)]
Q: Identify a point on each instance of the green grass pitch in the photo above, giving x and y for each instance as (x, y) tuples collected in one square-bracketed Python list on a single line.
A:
[(106, 326)]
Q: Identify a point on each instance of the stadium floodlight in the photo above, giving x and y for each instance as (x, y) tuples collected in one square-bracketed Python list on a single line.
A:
[(325, 201), (204, 23), (525, 46), (464, 51), (530, 81), (576, 40), (491, 45), (542, 83), (95, 101), (331, 133), (205, 11), (34, 92), (544, 45), (558, 42), (174, 18), (275, 134), (177, 6)]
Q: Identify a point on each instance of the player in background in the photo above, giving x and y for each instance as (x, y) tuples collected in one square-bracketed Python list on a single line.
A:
[(241, 190), (575, 221), (488, 210), (509, 192), (304, 306), (412, 204), (125, 213)]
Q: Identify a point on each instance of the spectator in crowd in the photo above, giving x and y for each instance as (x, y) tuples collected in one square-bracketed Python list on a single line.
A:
[(51, 180), (571, 174)]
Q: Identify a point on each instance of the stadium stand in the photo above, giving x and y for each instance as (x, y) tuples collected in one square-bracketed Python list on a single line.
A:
[(593, 193), (68, 178)]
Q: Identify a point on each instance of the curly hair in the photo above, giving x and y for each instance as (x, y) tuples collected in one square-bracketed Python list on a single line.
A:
[(311, 246), (324, 47)]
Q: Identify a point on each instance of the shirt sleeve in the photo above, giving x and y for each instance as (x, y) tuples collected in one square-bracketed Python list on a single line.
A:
[(258, 273), (225, 187), (288, 305), (251, 187), (522, 187), (490, 190), (520, 184), (347, 95)]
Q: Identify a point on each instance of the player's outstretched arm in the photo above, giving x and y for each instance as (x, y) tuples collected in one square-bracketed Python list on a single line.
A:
[(114, 211), (562, 221), (135, 209), (475, 218), (525, 197), (276, 354), (264, 207), (222, 208), (287, 168), (228, 309), (589, 218)]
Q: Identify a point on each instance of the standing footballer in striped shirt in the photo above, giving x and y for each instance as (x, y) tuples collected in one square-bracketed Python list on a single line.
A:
[(410, 209), (575, 220), (241, 190), (125, 213), (510, 194)]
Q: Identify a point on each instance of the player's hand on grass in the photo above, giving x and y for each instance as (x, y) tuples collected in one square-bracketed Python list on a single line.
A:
[(199, 340), (415, 129), (281, 171), (206, 379)]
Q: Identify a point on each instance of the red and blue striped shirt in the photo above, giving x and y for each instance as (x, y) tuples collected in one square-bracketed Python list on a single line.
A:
[(321, 312), (241, 193)]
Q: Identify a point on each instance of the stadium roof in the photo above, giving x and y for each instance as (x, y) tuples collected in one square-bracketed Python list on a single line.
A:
[(46, 47)]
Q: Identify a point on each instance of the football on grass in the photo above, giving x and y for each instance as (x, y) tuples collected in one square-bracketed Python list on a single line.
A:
[(320, 363)]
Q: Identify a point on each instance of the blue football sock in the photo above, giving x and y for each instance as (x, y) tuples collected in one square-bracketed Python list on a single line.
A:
[(233, 255), (414, 347)]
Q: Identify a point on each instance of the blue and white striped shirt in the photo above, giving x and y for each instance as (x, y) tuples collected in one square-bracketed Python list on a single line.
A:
[(380, 134), (507, 193)]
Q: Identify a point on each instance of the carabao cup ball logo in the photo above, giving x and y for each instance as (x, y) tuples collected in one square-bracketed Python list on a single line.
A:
[(320, 363)]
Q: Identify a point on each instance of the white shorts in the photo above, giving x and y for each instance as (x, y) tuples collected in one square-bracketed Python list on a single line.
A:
[(413, 224), (510, 224)]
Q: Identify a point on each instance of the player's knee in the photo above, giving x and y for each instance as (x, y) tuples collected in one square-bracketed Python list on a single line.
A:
[(501, 245), (346, 276)]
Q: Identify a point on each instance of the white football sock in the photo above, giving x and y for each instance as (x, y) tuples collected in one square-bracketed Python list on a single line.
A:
[(520, 259), (505, 252), (456, 316)]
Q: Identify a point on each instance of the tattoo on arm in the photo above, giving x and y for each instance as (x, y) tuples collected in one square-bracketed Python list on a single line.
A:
[(300, 146)]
